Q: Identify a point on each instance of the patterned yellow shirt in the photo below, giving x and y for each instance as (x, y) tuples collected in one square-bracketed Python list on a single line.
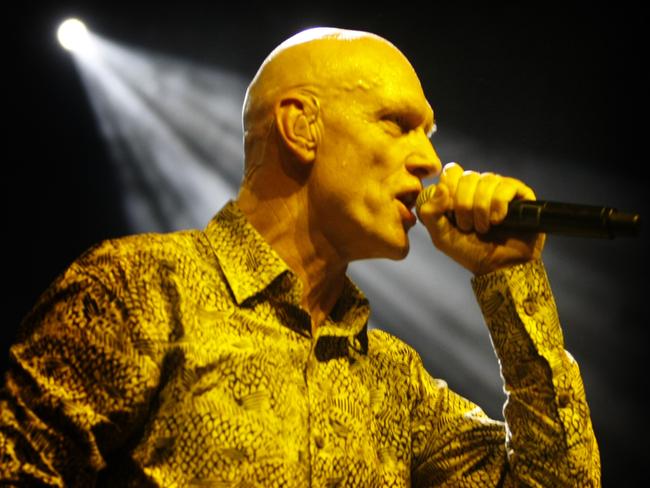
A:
[(184, 359)]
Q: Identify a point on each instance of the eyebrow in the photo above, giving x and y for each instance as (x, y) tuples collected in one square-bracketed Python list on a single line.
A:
[(411, 111)]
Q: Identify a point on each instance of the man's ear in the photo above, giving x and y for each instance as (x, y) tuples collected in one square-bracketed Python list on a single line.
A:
[(296, 117)]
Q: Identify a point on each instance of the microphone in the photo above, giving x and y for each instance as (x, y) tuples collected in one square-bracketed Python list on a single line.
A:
[(569, 219)]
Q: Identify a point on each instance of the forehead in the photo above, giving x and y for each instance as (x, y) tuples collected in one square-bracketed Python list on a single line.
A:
[(386, 89), (383, 71), (369, 74), (400, 96)]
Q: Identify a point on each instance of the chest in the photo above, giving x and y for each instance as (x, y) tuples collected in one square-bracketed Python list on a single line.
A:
[(257, 403)]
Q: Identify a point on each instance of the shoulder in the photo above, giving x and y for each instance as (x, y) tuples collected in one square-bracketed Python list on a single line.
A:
[(141, 254), (138, 269), (137, 246), (129, 278)]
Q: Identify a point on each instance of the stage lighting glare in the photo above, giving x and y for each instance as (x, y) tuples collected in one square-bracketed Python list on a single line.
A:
[(73, 35)]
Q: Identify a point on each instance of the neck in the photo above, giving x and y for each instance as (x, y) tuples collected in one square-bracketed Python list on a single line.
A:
[(283, 221)]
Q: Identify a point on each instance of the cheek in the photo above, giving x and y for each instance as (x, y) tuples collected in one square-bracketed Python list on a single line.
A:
[(375, 193), (358, 172)]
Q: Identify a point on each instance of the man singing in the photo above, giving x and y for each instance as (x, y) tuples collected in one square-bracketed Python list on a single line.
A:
[(240, 355)]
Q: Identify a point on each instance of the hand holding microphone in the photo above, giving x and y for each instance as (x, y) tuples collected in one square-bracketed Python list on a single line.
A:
[(569, 219), (478, 201), (475, 203)]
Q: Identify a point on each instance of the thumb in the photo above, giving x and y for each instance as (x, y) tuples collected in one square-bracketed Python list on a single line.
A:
[(432, 207), (432, 201)]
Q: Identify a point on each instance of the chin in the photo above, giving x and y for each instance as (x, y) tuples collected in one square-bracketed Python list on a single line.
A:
[(397, 251), (402, 253), (394, 246), (393, 251)]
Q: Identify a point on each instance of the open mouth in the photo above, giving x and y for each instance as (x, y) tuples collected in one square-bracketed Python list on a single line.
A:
[(407, 199)]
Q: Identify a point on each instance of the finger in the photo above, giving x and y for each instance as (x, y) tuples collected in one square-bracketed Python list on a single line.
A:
[(432, 213), (464, 200), (483, 195), (507, 190), (524, 192), (451, 173)]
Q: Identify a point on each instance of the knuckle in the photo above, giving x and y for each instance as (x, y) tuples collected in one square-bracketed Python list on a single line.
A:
[(488, 176), (469, 174)]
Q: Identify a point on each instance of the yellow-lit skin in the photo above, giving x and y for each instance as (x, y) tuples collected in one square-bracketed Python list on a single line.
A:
[(240, 356)]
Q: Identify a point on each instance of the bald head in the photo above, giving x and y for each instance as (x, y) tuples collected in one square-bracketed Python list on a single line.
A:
[(336, 133), (321, 63), (320, 56)]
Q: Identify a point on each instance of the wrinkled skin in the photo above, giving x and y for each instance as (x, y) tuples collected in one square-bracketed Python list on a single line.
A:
[(337, 144)]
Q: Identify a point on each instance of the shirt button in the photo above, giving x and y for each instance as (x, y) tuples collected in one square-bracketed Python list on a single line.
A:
[(320, 442), (530, 307), (563, 400)]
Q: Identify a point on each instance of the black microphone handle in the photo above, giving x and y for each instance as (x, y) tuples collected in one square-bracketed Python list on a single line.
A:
[(570, 219)]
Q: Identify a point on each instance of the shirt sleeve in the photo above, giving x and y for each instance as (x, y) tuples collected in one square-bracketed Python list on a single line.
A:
[(79, 381), (547, 439)]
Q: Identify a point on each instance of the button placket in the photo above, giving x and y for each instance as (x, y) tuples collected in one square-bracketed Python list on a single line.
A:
[(315, 394)]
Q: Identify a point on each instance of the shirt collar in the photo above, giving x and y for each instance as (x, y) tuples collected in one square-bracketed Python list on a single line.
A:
[(250, 266), (248, 262)]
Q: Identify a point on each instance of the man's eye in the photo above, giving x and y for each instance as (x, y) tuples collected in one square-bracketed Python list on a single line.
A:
[(398, 122)]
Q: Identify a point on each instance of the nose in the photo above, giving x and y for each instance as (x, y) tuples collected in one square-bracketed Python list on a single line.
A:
[(423, 162)]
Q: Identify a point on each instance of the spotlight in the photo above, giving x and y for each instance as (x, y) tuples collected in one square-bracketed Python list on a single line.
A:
[(73, 35)]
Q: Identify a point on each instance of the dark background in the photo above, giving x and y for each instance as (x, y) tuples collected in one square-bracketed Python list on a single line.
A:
[(565, 83)]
